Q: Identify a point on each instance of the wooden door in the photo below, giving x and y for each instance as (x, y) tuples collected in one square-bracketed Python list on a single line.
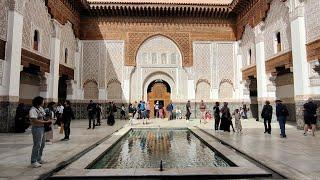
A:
[(158, 92)]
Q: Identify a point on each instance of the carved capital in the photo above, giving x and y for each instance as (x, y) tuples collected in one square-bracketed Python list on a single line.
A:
[(17, 5), (56, 29)]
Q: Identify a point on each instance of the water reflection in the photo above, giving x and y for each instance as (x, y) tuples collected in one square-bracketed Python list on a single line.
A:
[(145, 149)]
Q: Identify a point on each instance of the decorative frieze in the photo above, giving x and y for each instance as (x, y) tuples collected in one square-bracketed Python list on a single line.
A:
[(313, 50), (281, 60), (28, 58)]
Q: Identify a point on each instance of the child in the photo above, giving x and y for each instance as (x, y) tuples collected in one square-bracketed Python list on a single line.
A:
[(178, 113), (237, 120), (123, 112), (208, 116)]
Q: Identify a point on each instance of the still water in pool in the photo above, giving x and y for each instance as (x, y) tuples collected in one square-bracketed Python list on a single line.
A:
[(146, 148)]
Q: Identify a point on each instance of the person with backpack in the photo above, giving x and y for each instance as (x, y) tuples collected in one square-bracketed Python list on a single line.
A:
[(282, 113), (266, 114)]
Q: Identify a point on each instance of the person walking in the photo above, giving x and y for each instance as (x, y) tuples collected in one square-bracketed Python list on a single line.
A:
[(244, 113), (310, 116), (216, 114), (99, 114), (170, 110), (48, 129), (266, 114), (188, 109), (143, 112), (282, 113), (91, 108), (37, 115), (203, 111), (67, 116)]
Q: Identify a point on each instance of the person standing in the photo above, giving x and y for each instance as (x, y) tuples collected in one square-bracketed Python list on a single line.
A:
[(244, 111), (148, 111), (91, 108), (203, 111), (225, 118), (59, 112), (188, 109), (143, 112), (216, 113), (67, 116), (170, 109), (310, 116), (37, 115), (237, 121), (156, 108), (123, 112), (282, 113), (99, 114), (48, 128), (21, 118), (135, 106), (266, 114), (130, 113)]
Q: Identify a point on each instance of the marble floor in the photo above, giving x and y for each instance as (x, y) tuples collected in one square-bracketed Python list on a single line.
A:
[(297, 157)]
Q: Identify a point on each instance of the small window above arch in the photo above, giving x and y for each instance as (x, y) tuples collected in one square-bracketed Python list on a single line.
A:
[(36, 40), (249, 58), (277, 42), (66, 55)]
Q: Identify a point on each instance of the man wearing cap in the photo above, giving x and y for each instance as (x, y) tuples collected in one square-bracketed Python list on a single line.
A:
[(282, 113)]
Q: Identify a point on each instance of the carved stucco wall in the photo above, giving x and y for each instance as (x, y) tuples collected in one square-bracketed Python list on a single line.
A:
[(248, 42), (4, 7), (91, 90), (312, 20), (67, 41), (277, 21), (202, 61), (202, 91), (103, 62), (36, 17), (226, 69)]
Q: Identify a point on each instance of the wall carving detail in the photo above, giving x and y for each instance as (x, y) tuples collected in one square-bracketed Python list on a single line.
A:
[(136, 39)]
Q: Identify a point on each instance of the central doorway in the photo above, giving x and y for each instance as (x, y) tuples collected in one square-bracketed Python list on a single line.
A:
[(158, 90)]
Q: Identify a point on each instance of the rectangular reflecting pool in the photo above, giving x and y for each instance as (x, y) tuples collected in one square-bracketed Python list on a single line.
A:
[(145, 148)]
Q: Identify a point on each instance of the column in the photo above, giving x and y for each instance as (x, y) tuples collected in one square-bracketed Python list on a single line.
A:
[(299, 57), (55, 61), (13, 52), (261, 68), (77, 70), (12, 68), (238, 75)]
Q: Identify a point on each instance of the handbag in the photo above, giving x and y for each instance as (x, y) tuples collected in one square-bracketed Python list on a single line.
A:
[(61, 129)]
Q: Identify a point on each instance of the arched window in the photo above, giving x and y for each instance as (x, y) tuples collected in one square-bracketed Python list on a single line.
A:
[(249, 61), (164, 58), (278, 47), (66, 55), (36, 40)]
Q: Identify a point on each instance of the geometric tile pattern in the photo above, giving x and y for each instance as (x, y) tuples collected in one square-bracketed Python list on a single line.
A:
[(248, 42)]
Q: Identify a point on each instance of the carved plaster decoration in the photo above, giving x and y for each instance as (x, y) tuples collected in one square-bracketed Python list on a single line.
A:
[(247, 43), (136, 39), (277, 21), (36, 17), (17, 5), (271, 82), (314, 73), (68, 41), (4, 7)]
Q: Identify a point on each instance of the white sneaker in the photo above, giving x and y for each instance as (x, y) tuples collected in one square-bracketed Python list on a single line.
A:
[(36, 165), (42, 162)]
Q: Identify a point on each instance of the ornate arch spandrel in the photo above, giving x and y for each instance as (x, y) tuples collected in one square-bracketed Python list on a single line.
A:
[(136, 39)]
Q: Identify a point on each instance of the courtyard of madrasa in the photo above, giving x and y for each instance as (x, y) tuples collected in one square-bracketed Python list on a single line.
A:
[(243, 52)]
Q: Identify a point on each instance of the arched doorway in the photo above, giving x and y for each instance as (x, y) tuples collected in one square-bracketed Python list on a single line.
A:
[(158, 90)]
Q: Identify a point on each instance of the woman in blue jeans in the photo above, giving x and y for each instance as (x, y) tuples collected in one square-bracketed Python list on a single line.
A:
[(37, 115)]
